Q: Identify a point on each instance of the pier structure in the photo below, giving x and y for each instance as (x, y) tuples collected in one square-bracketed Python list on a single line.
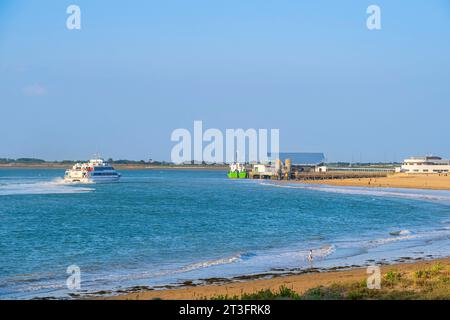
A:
[(311, 176), (310, 167)]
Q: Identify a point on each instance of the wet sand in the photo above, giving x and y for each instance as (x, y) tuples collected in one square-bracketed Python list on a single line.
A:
[(410, 181), (299, 283)]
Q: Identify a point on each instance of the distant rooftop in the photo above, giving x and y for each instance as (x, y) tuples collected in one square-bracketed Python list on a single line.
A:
[(425, 158)]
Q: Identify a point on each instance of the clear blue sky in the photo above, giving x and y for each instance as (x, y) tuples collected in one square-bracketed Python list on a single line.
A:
[(139, 69)]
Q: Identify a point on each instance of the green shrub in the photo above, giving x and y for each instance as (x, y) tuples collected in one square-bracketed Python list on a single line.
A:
[(432, 283), (392, 278)]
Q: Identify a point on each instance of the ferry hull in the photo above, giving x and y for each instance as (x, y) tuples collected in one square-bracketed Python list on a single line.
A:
[(92, 179)]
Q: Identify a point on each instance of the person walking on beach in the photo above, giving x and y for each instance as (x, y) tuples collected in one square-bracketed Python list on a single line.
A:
[(310, 257)]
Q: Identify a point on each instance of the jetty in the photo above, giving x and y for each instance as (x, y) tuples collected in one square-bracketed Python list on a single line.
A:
[(311, 167), (330, 175)]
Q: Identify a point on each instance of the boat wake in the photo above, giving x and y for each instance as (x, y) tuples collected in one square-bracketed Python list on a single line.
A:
[(56, 186)]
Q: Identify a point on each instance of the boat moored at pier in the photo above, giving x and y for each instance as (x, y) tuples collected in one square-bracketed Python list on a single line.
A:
[(237, 171)]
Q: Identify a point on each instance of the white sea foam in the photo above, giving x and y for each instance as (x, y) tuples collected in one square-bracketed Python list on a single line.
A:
[(404, 235), (400, 233), (56, 186), (321, 252), (206, 264), (169, 272), (392, 239)]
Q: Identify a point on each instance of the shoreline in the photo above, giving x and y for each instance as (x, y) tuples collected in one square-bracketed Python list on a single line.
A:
[(397, 181), (300, 282)]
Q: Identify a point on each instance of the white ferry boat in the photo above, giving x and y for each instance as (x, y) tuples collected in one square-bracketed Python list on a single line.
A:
[(94, 171)]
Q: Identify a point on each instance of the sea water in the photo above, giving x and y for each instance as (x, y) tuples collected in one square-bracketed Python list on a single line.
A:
[(165, 227)]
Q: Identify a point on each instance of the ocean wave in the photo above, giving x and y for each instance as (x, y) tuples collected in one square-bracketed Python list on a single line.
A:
[(400, 233), (56, 186), (210, 263), (324, 251), (44, 286), (382, 241), (319, 253), (404, 235), (168, 272)]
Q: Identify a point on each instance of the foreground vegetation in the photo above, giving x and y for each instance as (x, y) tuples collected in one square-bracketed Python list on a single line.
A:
[(432, 283)]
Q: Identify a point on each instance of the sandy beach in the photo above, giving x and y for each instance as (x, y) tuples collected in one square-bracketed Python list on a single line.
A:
[(298, 283), (418, 181)]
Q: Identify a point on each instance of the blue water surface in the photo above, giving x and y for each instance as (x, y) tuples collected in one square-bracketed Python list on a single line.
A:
[(159, 227)]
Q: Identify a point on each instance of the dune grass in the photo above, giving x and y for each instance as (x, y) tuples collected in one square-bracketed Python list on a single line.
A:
[(424, 284)]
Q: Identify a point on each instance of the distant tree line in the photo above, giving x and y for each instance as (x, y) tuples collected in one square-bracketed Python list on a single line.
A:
[(361, 164), (37, 161), (110, 160), (131, 162), (21, 160)]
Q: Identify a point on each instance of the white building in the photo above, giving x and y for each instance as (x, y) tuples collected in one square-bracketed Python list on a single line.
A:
[(321, 169), (263, 170), (428, 164)]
